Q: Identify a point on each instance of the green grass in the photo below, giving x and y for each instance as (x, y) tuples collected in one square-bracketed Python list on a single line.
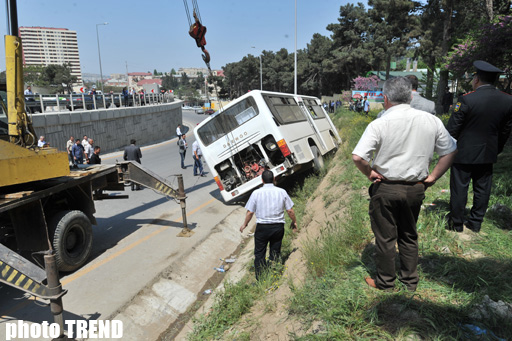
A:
[(455, 273)]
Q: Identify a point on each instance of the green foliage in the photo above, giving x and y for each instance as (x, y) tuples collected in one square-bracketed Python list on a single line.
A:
[(229, 306), (57, 76), (32, 75)]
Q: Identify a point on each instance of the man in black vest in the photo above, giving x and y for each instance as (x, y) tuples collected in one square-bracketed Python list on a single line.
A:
[(481, 122)]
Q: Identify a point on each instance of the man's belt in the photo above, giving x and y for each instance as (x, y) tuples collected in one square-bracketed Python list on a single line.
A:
[(398, 182)]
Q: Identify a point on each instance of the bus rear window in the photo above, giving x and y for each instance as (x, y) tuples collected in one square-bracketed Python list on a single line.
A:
[(228, 120)]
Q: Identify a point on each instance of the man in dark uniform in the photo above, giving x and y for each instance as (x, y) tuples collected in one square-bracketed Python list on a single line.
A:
[(133, 153), (481, 122)]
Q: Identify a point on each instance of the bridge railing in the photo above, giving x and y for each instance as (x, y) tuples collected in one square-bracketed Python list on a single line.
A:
[(43, 103)]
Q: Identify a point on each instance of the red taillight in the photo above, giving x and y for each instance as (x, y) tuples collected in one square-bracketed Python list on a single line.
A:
[(217, 180), (284, 147)]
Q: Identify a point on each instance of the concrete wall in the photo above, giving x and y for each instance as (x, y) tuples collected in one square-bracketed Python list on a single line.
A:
[(111, 129)]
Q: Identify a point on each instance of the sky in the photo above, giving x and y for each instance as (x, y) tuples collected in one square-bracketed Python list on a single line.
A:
[(146, 35)]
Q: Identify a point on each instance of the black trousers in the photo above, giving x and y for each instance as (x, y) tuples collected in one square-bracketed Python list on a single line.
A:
[(460, 176), (267, 234), (394, 211)]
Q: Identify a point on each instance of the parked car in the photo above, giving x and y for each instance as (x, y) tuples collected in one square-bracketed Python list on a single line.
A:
[(209, 112), (186, 107), (198, 109)]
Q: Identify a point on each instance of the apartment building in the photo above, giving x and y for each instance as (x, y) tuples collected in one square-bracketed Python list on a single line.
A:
[(43, 46)]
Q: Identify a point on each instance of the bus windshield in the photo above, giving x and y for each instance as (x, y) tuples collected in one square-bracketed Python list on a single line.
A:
[(228, 120)]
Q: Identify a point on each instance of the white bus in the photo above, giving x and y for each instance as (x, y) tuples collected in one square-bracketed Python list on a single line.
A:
[(282, 132)]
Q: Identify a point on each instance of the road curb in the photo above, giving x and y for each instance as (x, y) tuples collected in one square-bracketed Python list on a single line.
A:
[(174, 290)]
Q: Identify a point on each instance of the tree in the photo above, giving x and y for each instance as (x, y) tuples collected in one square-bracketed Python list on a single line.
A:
[(58, 76), (349, 55), (184, 79), (491, 42), (312, 71), (394, 27), (32, 75), (170, 82), (366, 83)]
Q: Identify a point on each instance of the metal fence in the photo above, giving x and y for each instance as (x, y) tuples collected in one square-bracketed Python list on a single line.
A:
[(55, 103)]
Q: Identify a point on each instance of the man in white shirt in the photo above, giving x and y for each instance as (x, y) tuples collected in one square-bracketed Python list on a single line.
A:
[(88, 149), (268, 203), (69, 146), (198, 164), (178, 131), (85, 142), (42, 143), (400, 147)]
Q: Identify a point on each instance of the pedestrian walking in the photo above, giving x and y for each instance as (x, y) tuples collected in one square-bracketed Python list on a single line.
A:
[(182, 145), (125, 96), (394, 153), (268, 203), (178, 131), (481, 122), (366, 105), (69, 147), (78, 153), (88, 149), (133, 153), (198, 164)]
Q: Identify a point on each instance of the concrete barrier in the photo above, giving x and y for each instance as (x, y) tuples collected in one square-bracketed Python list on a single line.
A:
[(112, 129)]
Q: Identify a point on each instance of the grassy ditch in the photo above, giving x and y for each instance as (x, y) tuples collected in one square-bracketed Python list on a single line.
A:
[(458, 272)]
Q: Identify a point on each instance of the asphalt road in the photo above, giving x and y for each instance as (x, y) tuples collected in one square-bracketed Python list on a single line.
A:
[(135, 240)]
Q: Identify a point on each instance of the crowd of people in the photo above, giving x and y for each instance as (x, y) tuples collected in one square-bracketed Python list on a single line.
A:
[(82, 152), (332, 106)]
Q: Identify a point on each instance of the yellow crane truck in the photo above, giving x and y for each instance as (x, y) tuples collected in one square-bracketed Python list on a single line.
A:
[(46, 209)]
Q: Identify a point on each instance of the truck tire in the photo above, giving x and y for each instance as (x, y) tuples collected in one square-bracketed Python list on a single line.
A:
[(72, 239), (318, 159)]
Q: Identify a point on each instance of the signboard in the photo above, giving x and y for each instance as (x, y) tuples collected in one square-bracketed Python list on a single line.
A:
[(373, 96)]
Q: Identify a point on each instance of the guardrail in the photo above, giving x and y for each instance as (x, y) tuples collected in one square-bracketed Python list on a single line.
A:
[(41, 103)]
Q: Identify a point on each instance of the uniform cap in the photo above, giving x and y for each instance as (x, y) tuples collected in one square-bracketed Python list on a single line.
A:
[(483, 66)]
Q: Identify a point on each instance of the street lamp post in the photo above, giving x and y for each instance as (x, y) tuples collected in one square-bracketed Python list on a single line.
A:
[(295, 68), (99, 54), (261, 70)]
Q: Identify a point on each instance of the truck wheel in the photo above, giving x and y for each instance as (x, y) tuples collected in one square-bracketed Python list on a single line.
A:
[(318, 159), (72, 239)]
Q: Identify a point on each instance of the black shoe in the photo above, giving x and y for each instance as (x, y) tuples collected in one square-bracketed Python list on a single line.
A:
[(472, 227), (203, 175), (452, 227)]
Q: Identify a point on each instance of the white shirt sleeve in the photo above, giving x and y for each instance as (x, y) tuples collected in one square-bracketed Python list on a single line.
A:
[(367, 143)]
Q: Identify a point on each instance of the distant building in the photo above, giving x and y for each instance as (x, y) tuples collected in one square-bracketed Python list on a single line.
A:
[(43, 46), (135, 77)]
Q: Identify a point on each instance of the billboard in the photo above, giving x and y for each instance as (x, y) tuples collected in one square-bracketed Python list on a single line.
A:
[(373, 96)]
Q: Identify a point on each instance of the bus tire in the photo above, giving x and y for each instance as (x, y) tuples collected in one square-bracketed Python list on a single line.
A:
[(336, 143), (72, 239), (318, 159)]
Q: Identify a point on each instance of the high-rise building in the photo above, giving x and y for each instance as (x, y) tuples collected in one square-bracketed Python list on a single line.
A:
[(43, 46)]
